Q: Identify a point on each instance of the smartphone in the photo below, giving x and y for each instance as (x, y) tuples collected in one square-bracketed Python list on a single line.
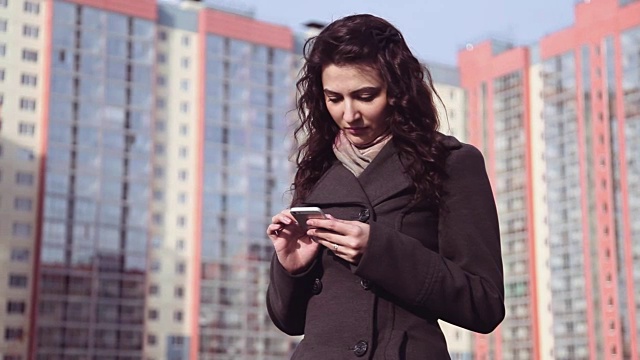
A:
[(301, 214)]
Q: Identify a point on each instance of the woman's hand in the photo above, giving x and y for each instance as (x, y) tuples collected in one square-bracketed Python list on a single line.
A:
[(347, 239), (295, 249)]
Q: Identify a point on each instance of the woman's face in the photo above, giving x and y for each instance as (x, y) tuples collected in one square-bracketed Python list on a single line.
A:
[(356, 98)]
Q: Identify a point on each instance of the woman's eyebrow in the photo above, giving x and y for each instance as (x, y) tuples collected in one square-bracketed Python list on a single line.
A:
[(371, 89)]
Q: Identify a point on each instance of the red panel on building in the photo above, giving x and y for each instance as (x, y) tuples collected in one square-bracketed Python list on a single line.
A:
[(247, 29), (146, 9)]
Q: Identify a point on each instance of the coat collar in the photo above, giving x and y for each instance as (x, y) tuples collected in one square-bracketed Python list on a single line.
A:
[(384, 177)]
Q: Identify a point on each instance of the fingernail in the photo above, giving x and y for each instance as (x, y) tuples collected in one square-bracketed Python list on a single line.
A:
[(286, 221)]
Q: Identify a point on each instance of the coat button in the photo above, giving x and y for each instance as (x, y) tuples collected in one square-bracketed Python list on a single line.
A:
[(366, 284), (317, 287), (363, 215), (361, 348)]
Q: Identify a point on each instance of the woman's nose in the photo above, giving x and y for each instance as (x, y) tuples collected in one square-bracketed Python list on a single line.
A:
[(350, 112)]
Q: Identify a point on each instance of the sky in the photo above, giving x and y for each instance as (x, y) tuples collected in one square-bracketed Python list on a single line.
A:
[(434, 29)]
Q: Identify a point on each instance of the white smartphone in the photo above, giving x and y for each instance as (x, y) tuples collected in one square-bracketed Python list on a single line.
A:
[(303, 213)]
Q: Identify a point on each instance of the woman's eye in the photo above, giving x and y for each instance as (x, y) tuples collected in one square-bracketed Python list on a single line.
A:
[(367, 98), (333, 100)]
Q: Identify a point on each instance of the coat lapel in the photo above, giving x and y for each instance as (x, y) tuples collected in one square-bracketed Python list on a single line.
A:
[(383, 178)]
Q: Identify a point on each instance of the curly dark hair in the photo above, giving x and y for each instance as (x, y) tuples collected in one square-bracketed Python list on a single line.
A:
[(369, 41)]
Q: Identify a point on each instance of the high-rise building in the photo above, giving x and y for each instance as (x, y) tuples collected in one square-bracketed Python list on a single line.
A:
[(143, 151), (556, 122)]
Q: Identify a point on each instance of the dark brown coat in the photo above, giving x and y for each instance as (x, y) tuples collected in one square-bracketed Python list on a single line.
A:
[(420, 265)]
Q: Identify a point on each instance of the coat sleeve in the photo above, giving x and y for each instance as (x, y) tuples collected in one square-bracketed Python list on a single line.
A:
[(287, 297), (462, 283)]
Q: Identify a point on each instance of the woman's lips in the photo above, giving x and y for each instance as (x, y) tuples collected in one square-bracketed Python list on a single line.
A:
[(356, 130)]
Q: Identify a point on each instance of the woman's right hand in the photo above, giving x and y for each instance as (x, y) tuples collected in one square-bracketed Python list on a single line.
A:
[(294, 248)]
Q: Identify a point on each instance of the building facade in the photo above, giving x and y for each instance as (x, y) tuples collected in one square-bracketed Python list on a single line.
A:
[(556, 121), (143, 151)]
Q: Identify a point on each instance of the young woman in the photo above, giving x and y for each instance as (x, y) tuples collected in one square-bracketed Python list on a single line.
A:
[(412, 235)]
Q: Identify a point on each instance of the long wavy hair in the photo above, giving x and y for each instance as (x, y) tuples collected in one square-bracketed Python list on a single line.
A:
[(372, 42)]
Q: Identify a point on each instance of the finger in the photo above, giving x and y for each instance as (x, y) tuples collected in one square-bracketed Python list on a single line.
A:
[(327, 236), (330, 224), (274, 229), (281, 218)]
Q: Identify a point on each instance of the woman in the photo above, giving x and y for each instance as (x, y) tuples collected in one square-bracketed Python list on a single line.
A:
[(412, 235)]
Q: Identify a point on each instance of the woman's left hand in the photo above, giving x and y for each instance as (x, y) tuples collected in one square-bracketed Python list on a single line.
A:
[(347, 239)]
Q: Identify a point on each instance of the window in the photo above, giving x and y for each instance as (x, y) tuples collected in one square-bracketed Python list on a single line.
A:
[(31, 31), (3, 25), (180, 268), (161, 80), (15, 307), (182, 175), (29, 79), (29, 55), (162, 58), (184, 129), (185, 40), (159, 149), (158, 171), (157, 219), (1, 74), (13, 334), (3, 3), (151, 339), (162, 35), (155, 266), (184, 84), (22, 204), (179, 292), (9, 356), (177, 316), (20, 255), (17, 281), (158, 195), (180, 244), (26, 128), (182, 221), (182, 198), (24, 154), (154, 289), (21, 229), (28, 104), (31, 7), (23, 178), (3, 49), (185, 62), (184, 107), (153, 314), (183, 152)]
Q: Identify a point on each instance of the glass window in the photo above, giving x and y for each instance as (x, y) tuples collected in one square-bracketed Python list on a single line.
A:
[(22, 204), (3, 25), (239, 48), (117, 47), (31, 31), (87, 185), (143, 51), (17, 281), (117, 24), (91, 65), (64, 13), (91, 41), (143, 28), (91, 89), (92, 18), (62, 83), (116, 94), (142, 73), (116, 69), (20, 255), (215, 68), (24, 178), (31, 7), (215, 45)]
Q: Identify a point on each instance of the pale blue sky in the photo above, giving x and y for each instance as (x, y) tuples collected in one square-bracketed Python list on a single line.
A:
[(434, 29)]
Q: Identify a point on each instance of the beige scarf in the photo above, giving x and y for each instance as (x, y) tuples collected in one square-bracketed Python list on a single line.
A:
[(354, 158)]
